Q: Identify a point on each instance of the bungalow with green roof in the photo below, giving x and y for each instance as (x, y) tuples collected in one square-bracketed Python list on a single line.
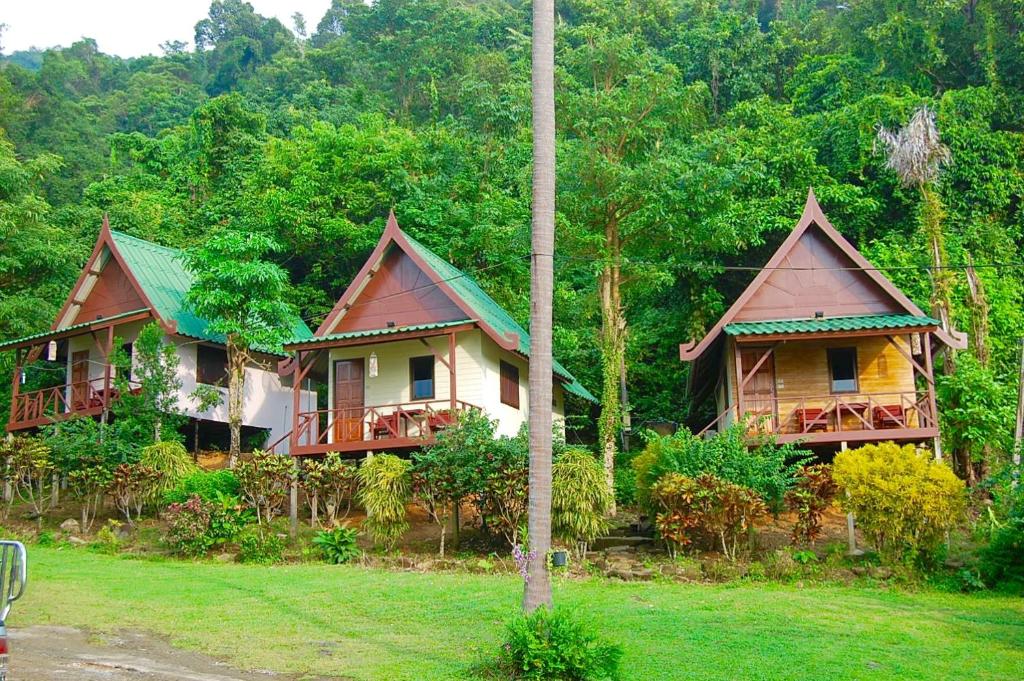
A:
[(127, 283), (412, 342), (821, 348)]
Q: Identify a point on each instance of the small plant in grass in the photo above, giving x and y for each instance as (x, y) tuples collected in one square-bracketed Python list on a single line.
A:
[(338, 545), (385, 487), (904, 501), (809, 499), (259, 546), (1002, 561), (555, 645), (107, 540), (580, 498), (264, 481)]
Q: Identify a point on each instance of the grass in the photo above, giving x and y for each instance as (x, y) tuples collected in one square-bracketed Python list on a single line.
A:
[(369, 624)]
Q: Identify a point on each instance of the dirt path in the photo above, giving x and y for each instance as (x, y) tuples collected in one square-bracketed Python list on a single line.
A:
[(45, 653)]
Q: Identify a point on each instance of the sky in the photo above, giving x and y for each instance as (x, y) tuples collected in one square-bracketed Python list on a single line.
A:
[(127, 28)]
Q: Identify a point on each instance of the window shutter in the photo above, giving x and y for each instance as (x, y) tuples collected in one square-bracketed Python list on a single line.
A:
[(509, 385)]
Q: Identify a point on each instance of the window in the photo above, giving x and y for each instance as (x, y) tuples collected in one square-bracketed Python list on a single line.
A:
[(509, 385), (842, 363), (211, 365), (421, 373)]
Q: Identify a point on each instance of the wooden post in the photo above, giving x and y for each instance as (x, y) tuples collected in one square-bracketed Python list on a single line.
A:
[(1018, 433), (107, 372), (451, 370), (927, 343), (293, 438), (8, 487), (738, 356), (293, 501), (15, 384), (851, 536)]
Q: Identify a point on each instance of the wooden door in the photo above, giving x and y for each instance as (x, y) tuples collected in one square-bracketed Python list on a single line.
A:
[(80, 379), (348, 400), (759, 391)]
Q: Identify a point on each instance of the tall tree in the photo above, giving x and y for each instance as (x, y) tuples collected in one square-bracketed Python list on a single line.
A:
[(538, 583), (916, 154), (244, 297)]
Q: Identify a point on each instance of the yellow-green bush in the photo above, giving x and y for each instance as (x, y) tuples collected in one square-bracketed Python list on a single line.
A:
[(903, 499), (385, 487), (580, 498)]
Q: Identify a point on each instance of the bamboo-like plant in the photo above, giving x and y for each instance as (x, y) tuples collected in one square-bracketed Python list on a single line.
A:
[(580, 498), (385, 487), (171, 460)]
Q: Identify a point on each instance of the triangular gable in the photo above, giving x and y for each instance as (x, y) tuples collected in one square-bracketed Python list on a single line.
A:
[(397, 284), (106, 287), (843, 283)]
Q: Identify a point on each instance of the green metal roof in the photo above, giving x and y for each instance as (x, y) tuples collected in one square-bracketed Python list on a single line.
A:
[(490, 312), (160, 272), (825, 324), (376, 332), (83, 325)]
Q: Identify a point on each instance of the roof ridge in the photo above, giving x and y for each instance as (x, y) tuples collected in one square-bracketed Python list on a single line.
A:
[(146, 242)]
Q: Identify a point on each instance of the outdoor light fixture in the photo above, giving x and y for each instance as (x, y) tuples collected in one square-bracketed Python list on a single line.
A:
[(23, 377), (391, 325), (819, 314), (373, 365), (51, 351)]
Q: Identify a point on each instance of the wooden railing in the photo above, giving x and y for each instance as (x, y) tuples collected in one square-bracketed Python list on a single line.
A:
[(856, 412), (412, 422), (38, 407)]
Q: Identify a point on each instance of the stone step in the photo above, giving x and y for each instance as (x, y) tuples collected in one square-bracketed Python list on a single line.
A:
[(605, 543)]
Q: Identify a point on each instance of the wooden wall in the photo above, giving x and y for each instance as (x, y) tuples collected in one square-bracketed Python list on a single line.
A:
[(801, 370)]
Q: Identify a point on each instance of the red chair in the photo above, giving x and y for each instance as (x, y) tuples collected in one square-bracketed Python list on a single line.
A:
[(385, 426), (812, 419), (888, 416), (439, 420)]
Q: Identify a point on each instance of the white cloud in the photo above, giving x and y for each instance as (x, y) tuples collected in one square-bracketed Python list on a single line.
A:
[(127, 28)]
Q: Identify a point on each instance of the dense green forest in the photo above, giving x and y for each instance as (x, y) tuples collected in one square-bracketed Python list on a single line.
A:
[(689, 132)]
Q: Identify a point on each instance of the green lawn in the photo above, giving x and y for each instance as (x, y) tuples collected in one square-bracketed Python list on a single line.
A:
[(370, 624)]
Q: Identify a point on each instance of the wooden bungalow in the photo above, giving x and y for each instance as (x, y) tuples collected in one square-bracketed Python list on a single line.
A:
[(412, 342), (820, 348), (126, 283)]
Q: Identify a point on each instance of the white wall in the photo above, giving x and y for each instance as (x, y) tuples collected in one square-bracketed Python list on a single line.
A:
[(267, 402)]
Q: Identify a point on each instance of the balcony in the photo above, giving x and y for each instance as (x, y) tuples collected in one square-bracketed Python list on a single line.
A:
[(373, 428), (42, 407), (831, 419)]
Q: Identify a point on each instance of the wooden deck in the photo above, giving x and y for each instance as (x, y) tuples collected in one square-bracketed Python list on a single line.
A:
[(42, 407), (833, 419), (372, 428)]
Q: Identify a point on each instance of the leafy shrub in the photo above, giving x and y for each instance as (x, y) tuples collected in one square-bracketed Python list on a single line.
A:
[(767, 468), (717, 508), (107, 540), (228, 517), (89, 485), (552, 644), (171, 460), (904, 501), (264, 480), (385, 488), (204, 484), (188, 528), (809, 499), (46, 538), (330, 486), (131, 485), (1002, 561), (338, 545), (625, 479), (580, 498), (27, 464), (263, 548)]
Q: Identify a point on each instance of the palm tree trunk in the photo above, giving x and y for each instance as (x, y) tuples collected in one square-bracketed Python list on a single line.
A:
[(537, 591)]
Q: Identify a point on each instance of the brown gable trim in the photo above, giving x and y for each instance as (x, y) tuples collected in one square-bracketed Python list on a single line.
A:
[(393, 234), (105, 238), (812, 215)]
